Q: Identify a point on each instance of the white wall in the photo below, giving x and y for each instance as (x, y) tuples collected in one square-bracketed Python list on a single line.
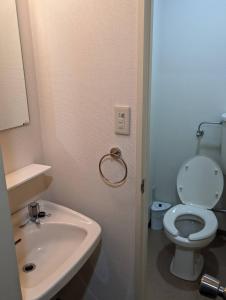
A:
[(188, 85), (86, 62)]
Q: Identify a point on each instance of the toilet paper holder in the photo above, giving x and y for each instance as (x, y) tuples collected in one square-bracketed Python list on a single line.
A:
[(211, 287), (219, 210)]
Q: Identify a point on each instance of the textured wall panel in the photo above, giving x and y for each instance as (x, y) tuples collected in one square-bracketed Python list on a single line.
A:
[(86, 62)]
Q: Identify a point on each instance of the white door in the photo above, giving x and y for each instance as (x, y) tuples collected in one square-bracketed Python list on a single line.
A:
[(9, 283)]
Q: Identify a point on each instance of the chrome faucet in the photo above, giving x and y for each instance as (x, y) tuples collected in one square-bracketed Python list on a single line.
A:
[(33, 212)]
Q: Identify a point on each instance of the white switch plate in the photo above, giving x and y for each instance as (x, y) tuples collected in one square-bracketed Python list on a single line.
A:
[(122, 120)]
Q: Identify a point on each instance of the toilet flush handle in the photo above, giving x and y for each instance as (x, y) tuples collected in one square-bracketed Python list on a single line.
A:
[(211, 287)]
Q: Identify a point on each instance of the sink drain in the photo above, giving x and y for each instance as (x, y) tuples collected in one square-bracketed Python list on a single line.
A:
[(29, 268)]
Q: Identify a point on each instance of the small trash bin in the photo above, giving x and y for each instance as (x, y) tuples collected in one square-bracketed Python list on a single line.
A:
[(158, 209)]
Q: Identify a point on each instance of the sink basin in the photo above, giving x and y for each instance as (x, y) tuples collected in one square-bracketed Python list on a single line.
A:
[(49, 254)]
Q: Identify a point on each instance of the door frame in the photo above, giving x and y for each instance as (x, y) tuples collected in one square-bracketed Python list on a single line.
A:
[(9, 284), (143, 147)]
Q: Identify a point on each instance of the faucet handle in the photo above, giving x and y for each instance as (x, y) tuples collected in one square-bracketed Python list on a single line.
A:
[(33, 209)]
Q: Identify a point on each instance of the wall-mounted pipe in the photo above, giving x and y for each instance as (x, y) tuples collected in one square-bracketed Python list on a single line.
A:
[(200, 132), (223, 144)]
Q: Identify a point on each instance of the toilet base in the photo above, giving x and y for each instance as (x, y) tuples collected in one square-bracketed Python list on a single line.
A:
[(186, 264)]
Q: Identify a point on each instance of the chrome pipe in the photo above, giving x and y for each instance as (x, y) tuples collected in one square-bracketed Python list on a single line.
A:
[(200, 132)]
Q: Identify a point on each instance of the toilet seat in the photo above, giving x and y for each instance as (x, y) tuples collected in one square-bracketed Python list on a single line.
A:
[(208, 217), (200, 182)]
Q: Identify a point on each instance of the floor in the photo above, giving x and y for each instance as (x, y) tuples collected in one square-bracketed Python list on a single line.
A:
[(163, 285)]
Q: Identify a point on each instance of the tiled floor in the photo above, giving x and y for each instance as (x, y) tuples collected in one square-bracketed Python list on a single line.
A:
[(163, 285)]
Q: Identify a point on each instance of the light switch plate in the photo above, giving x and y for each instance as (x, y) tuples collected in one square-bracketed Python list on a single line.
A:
[(122, 120)]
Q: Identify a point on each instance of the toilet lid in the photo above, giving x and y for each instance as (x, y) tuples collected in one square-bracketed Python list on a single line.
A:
[(200, 182)]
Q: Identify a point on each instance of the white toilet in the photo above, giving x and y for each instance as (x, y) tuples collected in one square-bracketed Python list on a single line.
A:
[(192, 225)]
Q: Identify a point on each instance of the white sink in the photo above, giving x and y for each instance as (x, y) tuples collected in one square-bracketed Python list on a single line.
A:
[(54, 250)]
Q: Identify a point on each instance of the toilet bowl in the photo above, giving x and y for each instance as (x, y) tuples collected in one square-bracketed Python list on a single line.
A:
[(191, 225)]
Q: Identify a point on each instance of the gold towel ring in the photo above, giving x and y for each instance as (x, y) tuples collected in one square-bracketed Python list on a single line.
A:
[(116, 154)]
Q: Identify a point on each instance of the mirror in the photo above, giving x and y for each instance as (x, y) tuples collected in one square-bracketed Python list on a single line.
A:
[(13, 98)]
